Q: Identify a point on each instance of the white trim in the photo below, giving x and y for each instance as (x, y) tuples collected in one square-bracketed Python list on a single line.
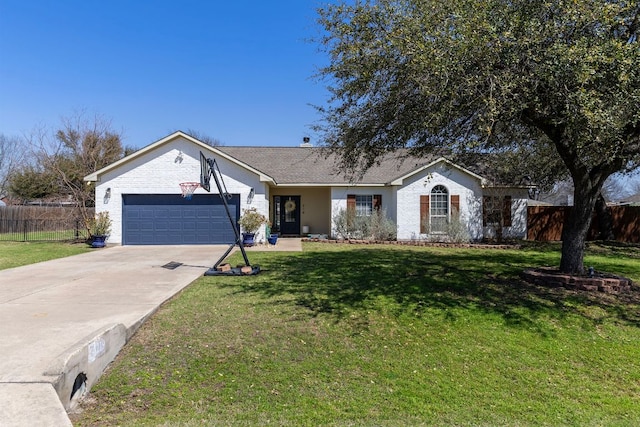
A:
[(400, 180), (95, 176), (330, 185), (504, 187)]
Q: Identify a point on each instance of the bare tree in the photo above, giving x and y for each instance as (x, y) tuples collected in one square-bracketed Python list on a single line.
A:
[(81, 146), (12, 157), (202, 137)]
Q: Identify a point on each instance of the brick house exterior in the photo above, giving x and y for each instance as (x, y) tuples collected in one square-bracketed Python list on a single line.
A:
[(299, 189)]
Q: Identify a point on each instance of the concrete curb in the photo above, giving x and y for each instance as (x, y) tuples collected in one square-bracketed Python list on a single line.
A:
[(76, 370)]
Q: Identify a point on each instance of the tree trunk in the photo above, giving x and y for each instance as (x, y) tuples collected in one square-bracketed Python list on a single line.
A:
[(576, 227)]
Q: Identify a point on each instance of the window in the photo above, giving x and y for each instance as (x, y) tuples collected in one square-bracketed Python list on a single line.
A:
[(496, 211), (276, 213), (439, 209), (290, 214), (363, 205)]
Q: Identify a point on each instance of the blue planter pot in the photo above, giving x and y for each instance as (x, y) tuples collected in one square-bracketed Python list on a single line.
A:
[(248, 239), (98, 241), (273, 238)]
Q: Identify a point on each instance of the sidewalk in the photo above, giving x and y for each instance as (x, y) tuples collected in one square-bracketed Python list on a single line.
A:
[(284, 244), (63, 318)]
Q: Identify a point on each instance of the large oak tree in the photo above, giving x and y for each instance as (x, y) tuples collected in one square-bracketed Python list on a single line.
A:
[(488, 76)]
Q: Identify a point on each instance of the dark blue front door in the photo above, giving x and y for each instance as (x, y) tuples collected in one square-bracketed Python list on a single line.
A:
[(290, 215), (169, 219)]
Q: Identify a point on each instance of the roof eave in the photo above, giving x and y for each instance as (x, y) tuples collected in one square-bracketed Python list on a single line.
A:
[(262, 176), (95, 176), (400, 180), (327, 184), (504, 186)]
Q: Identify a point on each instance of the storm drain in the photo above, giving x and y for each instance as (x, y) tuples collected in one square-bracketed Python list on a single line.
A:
[(79, 386), (172, 265)]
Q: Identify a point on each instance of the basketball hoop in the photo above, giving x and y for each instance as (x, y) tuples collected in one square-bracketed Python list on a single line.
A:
[(188, 188)]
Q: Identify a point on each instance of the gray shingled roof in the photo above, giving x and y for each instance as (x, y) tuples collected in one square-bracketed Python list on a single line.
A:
[(308, 165)]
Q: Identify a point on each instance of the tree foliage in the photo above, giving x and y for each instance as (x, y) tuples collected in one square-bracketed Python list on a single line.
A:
[(29, 183), (488, 76)]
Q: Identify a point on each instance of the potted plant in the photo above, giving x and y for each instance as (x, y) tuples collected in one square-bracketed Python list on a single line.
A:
[(272, 238), (250, 222), (99, 229)]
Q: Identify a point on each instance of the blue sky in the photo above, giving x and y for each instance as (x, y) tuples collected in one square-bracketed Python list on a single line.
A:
[(239, 71)]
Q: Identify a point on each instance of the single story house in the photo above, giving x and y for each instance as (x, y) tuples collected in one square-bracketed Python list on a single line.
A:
[(299, 189)]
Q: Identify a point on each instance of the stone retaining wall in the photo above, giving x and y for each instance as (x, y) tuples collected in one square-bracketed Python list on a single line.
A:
[(601, 282)]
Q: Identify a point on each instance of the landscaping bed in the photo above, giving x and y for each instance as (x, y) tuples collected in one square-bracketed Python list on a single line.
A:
[(421, 243)]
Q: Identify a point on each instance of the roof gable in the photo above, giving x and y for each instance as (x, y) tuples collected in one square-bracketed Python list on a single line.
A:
[(95, 176), (400, 180)]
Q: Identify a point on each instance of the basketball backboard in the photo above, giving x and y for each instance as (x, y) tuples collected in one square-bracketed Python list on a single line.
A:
[(205, 172)]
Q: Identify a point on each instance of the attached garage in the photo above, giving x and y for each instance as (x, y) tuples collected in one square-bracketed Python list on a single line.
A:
[(169, 219), (142, 195)]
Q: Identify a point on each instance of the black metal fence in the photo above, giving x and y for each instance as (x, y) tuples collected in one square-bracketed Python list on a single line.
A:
[(41, 230)]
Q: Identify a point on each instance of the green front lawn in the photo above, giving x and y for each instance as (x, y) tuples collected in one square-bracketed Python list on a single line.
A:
[(16, 254), (343, 335)]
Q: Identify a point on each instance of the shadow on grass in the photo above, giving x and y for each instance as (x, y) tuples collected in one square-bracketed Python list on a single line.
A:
[(417, 282)]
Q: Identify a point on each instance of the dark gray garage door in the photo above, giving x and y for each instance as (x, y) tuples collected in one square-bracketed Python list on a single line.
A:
[(169, 219)]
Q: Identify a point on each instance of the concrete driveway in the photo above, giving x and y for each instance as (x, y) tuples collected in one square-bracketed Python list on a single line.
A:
[(62, 319)]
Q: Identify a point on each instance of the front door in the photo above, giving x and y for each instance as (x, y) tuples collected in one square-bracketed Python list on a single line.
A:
[(289, 215)]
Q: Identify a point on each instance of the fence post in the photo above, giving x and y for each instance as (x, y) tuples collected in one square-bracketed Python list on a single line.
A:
[(24, 230)]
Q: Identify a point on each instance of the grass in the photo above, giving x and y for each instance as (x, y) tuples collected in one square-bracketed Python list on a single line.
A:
[(343, 335), (16, 254)]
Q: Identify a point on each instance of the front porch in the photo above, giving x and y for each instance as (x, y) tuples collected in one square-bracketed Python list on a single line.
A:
[(299, 211)]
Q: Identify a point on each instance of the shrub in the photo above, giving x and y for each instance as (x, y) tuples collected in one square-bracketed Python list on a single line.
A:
[(251, 220), (100, 225), (456, 230), (381, 227), (374, 227)]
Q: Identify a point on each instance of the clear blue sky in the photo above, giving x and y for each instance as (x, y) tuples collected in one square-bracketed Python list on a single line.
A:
[(239, 71)]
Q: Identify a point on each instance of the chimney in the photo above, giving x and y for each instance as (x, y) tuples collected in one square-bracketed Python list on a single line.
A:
[(306, 142)]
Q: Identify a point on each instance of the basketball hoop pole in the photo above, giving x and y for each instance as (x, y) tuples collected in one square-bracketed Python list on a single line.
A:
[(213, 167)]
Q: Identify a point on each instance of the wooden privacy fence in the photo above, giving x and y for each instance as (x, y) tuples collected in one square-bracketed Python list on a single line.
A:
[(545, 223), (37, 212)]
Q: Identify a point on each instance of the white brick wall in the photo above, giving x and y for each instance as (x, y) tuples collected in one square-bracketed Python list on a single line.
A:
[(518, 228), (456, 182), (402, 203), (339, 200), (161, 170)]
